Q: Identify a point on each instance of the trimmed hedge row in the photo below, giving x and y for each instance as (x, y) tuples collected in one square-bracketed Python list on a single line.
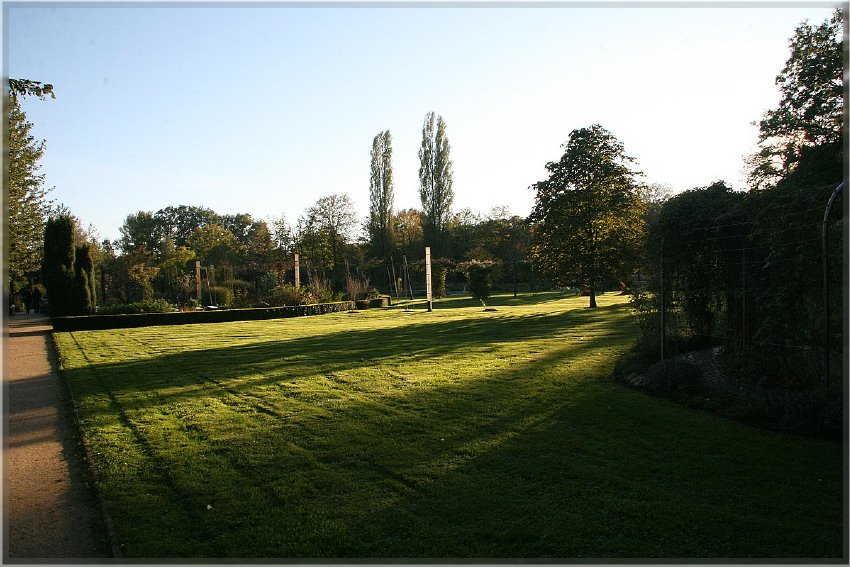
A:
[(98, 322)]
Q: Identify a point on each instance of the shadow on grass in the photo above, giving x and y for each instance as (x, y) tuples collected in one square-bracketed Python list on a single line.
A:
[(535, 459)]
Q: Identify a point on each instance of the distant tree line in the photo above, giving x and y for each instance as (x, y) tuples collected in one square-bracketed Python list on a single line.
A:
[(246, 261)]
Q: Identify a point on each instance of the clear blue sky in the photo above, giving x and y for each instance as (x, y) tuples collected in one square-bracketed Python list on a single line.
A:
[(264, 109)]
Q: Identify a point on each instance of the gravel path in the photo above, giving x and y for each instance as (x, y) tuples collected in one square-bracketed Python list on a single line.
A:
[(50, 507)]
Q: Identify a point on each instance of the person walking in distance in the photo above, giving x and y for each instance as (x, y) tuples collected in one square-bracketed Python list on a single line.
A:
[(36, 300), (26, 297)]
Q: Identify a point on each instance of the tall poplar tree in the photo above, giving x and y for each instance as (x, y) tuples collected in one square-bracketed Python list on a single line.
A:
[(381, 196), (435, 182), (28, 206)]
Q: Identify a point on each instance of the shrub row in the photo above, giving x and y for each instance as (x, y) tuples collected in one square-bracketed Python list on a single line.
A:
[(97, 322), (816, 411)]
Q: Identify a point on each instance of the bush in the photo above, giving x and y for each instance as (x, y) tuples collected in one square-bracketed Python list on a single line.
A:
[(479, 277), (357, 286), (440, 284), (319, 289), (217, 295), (287, 294), (817, 411), (666, 377)]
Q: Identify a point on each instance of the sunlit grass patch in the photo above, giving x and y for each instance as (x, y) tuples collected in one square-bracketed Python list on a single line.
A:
[(457, 433)]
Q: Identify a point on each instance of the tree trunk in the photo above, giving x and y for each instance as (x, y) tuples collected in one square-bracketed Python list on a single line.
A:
[(592, 296)]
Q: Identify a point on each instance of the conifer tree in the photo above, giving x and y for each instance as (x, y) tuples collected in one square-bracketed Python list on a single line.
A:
[(58, 264), (84, 280)]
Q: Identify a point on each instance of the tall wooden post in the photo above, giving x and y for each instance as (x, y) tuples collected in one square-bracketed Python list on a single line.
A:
[(297, 273), (198, 280), (428, 277)]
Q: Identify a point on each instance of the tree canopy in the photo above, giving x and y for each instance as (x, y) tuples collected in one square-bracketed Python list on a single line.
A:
[(381, 196), (435, 181), (28, 205), (588, 214), (804, 134)]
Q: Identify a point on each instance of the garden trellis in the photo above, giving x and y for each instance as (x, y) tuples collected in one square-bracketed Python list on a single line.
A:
[(744, 271)]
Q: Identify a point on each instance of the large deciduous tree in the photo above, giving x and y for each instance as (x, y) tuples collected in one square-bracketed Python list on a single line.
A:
[(181, 221), (381, 196), (804, 135), (588, 214), (330, 221), (140, 231), (435, 182), (407, 232), (28, 206), (214, 244)]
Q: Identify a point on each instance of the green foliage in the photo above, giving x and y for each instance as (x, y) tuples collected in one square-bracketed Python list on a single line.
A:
[(479, 277), (82, 294), (804, 135), (214, 244), (25, 87), (381, 196), (589, 216), (140, 232), (58, 264), (435, 183), (745, 269), (27, 196), (319, 289), (217, 295), (408, 235), (129, 277), (152, 316), (356, 286), (84, 281), (240, 226), (140, 277), (326, 228), (287, 294), (439, 289), (181, 222)]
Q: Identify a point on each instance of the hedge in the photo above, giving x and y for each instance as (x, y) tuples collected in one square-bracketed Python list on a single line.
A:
[(97, 322)]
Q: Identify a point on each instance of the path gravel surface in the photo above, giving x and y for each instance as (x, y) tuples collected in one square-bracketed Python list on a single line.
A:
[(50, 508)]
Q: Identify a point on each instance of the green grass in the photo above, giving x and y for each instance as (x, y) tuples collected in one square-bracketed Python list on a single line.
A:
[(457, 433)]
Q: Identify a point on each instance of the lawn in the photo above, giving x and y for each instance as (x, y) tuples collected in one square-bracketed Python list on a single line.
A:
[(457, 433)]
